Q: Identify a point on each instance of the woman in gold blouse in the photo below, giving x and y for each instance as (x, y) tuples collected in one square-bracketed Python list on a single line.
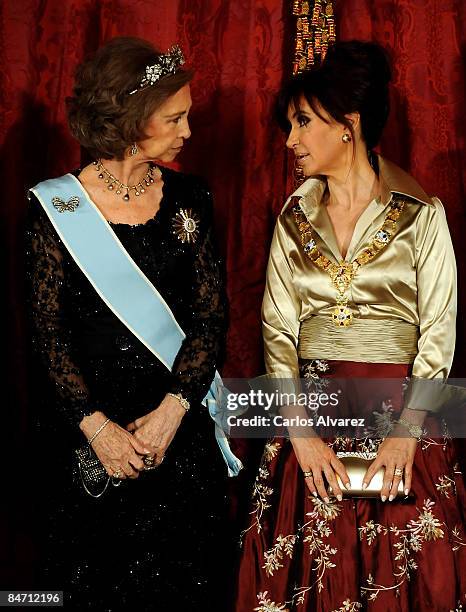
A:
[(361, 283)]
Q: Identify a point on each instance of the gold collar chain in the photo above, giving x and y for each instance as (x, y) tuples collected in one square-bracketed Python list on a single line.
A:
[(343, 273)]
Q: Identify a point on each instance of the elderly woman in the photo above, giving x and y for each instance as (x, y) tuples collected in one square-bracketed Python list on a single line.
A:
[(129, 318), (361, 284)]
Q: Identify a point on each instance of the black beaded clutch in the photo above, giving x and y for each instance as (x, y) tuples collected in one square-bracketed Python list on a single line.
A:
[(93, 475)]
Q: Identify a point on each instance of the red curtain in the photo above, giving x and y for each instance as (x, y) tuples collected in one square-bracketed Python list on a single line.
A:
[(237, 50), (240, 50), (240, 53), (426, 133)]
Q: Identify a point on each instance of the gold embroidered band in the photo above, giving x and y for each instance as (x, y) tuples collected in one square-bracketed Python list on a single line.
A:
[(366, 340)]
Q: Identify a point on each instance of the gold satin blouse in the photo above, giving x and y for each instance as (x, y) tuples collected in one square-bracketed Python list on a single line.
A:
[(403, 301)]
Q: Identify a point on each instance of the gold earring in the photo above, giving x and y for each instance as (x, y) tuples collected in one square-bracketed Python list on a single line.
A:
[(134, 149), (346, 138), (298, 175)]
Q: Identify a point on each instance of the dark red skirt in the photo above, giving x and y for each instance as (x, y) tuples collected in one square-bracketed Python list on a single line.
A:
[(300, 553)]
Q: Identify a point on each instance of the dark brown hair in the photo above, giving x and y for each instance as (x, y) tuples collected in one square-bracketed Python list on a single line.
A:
[(102, 116), (354, 77)]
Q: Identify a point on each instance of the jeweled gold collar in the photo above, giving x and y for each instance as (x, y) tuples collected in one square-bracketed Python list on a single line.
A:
[(393, 180)]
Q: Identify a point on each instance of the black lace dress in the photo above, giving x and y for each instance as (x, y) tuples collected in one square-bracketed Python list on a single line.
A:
[(151, 543)]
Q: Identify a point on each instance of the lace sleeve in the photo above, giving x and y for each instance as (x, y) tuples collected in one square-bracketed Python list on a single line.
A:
[(198, 356), (51, 333)]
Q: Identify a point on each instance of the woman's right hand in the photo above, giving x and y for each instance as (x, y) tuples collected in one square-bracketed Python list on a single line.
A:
[(315, 456), (118, 450)]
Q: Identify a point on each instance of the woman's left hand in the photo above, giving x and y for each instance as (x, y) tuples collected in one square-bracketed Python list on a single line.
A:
[(393, 454), (157, 429)]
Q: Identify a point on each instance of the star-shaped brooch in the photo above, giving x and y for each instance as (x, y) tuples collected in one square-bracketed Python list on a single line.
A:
[(186, 226)]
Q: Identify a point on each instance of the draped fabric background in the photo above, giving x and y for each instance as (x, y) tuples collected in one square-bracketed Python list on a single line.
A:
[(240, 50), (236, 48), (426, 133)]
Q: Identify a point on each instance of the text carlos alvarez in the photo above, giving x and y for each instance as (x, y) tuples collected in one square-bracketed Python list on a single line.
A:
[(296, 421)]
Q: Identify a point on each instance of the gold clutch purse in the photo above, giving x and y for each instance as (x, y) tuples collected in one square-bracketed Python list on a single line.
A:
[(356, 465)]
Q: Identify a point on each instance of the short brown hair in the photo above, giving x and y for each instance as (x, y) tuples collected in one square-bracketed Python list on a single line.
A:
[(102, 116)]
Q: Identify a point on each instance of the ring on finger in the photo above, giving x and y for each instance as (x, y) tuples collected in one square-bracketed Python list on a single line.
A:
[(149, 460), (398, 472), (117, 478), (151, 465), (307, 474)]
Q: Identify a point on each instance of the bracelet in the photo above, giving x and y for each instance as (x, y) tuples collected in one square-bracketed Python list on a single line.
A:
[(415, 431), (184, 402), (91, 440)]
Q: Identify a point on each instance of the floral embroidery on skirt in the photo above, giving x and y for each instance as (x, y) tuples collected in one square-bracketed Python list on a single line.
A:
[(301, 553)]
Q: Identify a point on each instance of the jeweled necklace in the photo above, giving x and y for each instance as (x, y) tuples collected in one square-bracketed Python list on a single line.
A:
[(342, 273), (117, 186)]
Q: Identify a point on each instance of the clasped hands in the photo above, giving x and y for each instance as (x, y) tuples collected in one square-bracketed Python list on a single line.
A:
[(124, 452), (318, 461)]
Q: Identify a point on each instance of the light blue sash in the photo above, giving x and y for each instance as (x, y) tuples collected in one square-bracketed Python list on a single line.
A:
[(119, 282)]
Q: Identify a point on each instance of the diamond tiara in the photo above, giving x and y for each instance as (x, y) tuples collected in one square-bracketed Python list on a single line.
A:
[(167, 63)]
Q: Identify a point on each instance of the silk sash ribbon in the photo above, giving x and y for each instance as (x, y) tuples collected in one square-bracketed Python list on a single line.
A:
[(120, 283)]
